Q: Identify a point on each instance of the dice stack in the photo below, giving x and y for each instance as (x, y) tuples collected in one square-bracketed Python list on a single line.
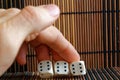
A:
[(46, 69)]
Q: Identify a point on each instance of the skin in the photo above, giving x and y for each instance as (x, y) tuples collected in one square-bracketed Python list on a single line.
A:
[(32, 25)]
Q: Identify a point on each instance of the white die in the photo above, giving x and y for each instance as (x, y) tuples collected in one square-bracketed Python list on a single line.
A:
[(45, 69), (77, 68), (61, 68)]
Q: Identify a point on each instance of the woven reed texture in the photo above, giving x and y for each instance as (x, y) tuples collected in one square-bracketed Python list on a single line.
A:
[(92, 26), (92, 74)]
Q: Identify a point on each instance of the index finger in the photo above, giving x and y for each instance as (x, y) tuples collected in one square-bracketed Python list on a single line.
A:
[(55, 40)]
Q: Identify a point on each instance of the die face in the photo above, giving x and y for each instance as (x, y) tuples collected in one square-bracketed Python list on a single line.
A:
[(61, 68), (45, 68), (78, 68)]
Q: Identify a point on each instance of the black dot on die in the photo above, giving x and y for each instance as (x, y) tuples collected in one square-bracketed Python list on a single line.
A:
[(40, 66), (73, 72), (47, 62), (48, 65), (48, 68), (80, 67), (57, 66), (57, 63), (57, 70), (41, 70), (72, 64), (73, 68), (79, 63), (65, 66), (81, 71), (40, 63), (65, 70), (64, 63)]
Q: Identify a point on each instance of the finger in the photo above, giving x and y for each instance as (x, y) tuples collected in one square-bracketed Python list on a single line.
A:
[(55, 40), (1, 10), (42, 53), (31, 37), (56, 57), (21, 57), (14, 31), (34, 18), (7, 14), (30, 19)]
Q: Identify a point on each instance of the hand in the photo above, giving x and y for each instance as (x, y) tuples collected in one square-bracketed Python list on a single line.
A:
[(32, 24)]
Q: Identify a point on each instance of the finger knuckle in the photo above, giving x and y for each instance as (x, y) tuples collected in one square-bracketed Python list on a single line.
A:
[(29, 9), (1, 10), (13, 10), (29, 13)]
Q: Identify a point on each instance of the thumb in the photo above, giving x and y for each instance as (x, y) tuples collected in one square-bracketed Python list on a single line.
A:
[(14, 31), (35, 18)]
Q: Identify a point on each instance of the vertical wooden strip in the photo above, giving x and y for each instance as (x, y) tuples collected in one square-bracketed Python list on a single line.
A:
[(102, 48), (117, 31), (113, 33), (104, 31), (74, 32), (0, 4), (95, 35)]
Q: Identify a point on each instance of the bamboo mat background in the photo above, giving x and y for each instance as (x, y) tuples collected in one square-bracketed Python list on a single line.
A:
[(92, 26)]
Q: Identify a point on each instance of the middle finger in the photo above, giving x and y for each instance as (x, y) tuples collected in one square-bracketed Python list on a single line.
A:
[(55, 40)]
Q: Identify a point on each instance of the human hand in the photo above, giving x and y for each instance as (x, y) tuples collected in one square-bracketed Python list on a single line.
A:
[(34, 25)]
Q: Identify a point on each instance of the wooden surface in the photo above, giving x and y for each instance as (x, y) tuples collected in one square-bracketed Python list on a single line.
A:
[(92, 74)]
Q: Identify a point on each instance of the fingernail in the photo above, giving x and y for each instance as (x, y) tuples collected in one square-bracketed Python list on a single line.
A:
[(52, 9)]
